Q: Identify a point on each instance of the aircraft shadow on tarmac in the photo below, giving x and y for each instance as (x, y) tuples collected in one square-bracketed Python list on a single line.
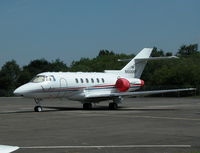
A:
[(99, 108), (105, 108)]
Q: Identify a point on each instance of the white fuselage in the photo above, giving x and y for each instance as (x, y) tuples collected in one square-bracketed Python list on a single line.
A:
[(73, 85)]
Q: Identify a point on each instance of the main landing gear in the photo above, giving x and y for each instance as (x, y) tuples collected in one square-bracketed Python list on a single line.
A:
[(114, 104), (87, 106), (38, 107)]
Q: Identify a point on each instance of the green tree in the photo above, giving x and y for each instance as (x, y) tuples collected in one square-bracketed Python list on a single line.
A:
[(9, 75), (24, 77), (58, 66), (188, 50), (83, 65), (157, 53), (168, 54), (105, 52), (38, 66)]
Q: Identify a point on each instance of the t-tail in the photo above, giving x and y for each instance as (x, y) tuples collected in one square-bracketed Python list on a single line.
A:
[(136, 66)]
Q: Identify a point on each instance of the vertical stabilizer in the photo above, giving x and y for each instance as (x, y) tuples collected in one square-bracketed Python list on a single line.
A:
[(136, 66)]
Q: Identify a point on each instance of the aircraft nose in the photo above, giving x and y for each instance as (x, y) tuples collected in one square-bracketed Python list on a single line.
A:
[(19, 91)]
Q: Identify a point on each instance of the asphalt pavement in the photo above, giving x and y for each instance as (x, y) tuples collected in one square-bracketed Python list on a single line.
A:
[(140, 125)]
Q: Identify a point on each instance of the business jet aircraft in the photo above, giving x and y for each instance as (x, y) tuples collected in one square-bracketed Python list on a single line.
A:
[(91, 88)]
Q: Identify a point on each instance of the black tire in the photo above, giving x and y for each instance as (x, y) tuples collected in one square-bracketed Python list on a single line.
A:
[(38, 109), (87, 106), (113, 106)]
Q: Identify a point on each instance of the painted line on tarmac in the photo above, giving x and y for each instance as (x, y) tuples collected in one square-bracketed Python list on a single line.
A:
[(110, 146), (158, 117), (169, 118)]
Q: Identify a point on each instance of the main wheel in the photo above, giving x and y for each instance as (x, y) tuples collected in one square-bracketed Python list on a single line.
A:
[(113, 106), (87, 106), (38, 109)]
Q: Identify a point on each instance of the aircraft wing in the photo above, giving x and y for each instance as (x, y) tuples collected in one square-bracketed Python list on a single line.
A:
[(136, 93), (7, 149)]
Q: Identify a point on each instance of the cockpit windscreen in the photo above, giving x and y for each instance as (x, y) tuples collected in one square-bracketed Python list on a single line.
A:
[(38, 79), (42, 78)]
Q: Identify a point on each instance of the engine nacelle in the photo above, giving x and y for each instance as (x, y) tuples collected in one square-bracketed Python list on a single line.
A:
[(142, 83), (122, 84)]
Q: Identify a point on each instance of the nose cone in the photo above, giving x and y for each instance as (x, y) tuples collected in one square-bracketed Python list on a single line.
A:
[(23, 90), (19, 91), (29, 90)]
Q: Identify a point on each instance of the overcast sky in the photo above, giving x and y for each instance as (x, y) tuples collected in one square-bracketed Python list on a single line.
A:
[(71, 29)]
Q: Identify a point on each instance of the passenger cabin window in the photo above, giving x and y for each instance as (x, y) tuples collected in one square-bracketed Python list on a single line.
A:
[(38, 79), (97, 80), (81, 80), (87, 81), (102, 79), (76, 80), (92, 80)]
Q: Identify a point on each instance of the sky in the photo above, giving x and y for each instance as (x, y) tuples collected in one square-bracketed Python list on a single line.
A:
[(71, 29)]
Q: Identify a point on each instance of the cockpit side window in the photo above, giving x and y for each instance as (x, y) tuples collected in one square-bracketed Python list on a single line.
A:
[(52, 78), (38, 79), (47, 78)]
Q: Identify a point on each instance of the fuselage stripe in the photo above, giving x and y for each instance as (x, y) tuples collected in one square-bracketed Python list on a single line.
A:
[(85, 88)]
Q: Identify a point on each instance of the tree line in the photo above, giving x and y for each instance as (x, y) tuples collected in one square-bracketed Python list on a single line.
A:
[(162, 74)]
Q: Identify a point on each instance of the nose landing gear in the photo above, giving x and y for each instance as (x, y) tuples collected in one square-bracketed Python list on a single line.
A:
[(38, 107)]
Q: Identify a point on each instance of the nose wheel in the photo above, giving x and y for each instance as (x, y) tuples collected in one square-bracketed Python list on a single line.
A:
[(38, 107)]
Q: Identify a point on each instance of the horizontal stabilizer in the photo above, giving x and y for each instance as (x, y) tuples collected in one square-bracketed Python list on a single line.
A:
[(149, 59), (156, 58), (124, 60)]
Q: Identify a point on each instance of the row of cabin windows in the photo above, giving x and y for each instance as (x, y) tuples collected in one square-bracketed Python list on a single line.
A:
[(90, 80)]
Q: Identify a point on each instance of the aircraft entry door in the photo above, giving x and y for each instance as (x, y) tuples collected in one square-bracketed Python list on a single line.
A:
[(63, 87)]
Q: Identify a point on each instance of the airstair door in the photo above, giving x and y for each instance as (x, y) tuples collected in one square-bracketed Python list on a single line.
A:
[(63, 87)]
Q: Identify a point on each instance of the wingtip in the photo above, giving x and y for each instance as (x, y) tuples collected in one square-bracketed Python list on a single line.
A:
[(8, 149)]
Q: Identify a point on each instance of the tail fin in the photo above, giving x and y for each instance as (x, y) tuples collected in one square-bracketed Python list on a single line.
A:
[(136, 66)]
